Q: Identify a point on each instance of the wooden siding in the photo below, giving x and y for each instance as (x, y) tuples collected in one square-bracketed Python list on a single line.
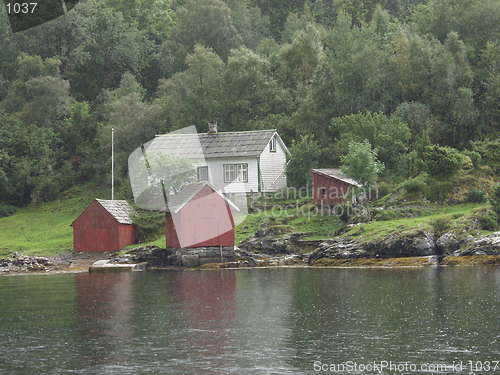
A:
[(328, 191), (206, 220), (216, 175), (272, 168), (97, 230)]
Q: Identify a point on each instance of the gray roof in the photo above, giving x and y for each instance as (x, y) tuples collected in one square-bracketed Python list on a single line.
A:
[(336, 173), (177, 201), (223, 144), (119, 209)]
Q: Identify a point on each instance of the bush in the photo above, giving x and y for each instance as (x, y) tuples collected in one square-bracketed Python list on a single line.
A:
[(475, 196), (345, 211), (149, 225), (474, 156), (383, 188), (414, 185), (442, 160), (7, 210), (495, 200), (440, 225), (488, 221), (438, 191), (489, 151)]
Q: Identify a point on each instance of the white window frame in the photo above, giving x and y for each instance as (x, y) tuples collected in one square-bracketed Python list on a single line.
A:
[(198, 173), (235, 172), (272, 144)]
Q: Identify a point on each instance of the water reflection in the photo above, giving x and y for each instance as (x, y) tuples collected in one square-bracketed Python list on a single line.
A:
[(246, 321)]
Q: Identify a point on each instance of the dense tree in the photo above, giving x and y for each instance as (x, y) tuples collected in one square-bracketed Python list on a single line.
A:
[(361, 164), (408, 76), (193, 97), (306, 154), (388, 135)]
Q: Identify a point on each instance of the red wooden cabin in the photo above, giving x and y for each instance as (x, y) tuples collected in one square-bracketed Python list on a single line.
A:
[(199, 216), (105, 225), (330, 186)]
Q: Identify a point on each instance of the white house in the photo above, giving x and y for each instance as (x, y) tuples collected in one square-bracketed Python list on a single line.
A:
[(233, 162)]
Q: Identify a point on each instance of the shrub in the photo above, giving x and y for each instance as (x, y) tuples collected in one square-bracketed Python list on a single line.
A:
[(495, 200), (488, 221), (7, 210), (437, 191), (149, 225), (489, 151), (474, 156), (475, 196), (440, 225), (383, 188), (344, 211), (414, 185), (442, 160)]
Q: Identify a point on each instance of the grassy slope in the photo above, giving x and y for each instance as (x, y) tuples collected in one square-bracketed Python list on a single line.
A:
[(379, 229), (44, 229), (299, 219)]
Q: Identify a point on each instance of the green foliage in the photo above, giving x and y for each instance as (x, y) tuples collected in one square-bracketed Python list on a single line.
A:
[(438, 190), (402, 74), (361, 164), (440, 225), (7, 210), (442, 161), (389, 136), (489, 151), (306, 154), (488, 221), (149, 225), (415, 185), (474, 156), (476, 196), (495, 200)]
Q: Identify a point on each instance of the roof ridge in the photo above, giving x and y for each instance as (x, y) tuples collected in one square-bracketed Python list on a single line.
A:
[(232, 132)]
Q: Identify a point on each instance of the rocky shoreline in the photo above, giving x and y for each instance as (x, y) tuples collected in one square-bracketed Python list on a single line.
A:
[(274, 248)]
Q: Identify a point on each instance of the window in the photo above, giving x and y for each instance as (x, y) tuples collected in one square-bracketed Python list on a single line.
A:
[(272, 144), (202, 173), (235, 173), (322, 192)]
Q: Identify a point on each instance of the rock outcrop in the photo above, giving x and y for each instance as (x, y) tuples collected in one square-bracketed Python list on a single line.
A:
[(412, 244), (485, 245), (24, 263)]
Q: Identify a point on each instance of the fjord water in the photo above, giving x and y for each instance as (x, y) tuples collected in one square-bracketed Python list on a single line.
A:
[(261, 321)]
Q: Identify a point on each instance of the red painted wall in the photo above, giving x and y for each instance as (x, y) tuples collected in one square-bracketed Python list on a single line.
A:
[(97, 230), (328, 191), (201, 222)]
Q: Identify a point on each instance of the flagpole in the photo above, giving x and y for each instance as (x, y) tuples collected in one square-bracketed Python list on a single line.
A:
[(112, 163)]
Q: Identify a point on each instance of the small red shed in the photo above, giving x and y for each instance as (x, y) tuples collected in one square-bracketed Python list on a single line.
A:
[(330, 186), (105, 225), (198, 216)]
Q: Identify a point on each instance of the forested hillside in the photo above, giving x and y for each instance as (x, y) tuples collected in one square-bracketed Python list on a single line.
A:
[(418, 80)]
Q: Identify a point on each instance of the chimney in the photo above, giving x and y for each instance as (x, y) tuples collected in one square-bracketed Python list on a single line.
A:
[(212, 127)]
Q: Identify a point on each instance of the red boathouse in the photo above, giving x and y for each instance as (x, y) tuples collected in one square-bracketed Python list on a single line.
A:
[(330, 186), (106, 225), (198, 216)]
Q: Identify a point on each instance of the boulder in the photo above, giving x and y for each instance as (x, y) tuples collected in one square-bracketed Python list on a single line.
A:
[(484, 245), (412, 244), (193, 257)]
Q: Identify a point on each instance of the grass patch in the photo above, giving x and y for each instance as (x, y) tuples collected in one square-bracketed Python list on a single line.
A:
[(301, 219), (44, 229), (378, 230)]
